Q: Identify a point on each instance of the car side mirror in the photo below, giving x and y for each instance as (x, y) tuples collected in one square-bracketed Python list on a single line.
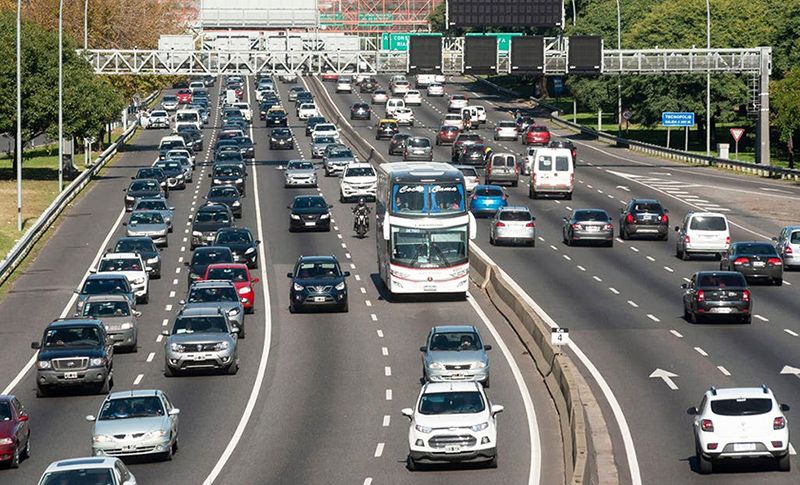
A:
[(774, 239), (124, 190), (666, 211), (785, 407), (36, 345), (124, 223), (23, 417), (209, 175), (254, 280), (621, 210), (132, 178), (487, 347), (330, 206), (677, 228), (346, 274), (692, 411), (172, 208), (423, 349), (92, 270), (181, 302), (289, 207), (186, 263), (289, 275), (684, 286), (91, 418), (497, 409), (174, 412), (564, 219), (137, 313), (407, 412), (257, 242), (165, 333)]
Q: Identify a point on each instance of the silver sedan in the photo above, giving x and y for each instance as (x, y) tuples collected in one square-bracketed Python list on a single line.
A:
[(300, 173), (513, 224), (455, 353)]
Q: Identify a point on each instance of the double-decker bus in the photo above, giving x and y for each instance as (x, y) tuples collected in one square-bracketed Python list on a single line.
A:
[(423, 228)]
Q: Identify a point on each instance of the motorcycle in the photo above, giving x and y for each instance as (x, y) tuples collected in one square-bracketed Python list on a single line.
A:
[(362, 226)]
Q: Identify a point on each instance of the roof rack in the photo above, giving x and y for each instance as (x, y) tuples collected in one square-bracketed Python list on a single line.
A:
[(765, 388), (713, 391)]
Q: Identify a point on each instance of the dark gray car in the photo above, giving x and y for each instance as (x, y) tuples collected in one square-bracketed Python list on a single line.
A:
[(120, 320), (588, 225), (217, 294)]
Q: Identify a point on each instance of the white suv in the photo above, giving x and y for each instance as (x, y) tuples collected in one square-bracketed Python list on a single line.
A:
[(740, 422), (97, 469), (358, 180), (452, 422), (133, 267), (702, 232)]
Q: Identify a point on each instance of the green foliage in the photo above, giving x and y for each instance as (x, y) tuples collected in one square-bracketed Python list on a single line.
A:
[(786, 104), (436, 18)]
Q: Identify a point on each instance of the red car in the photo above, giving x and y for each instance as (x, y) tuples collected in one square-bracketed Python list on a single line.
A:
[(446, 135), (537, 135), (330, 76), (184, 96), (15, 434), (240, 276)]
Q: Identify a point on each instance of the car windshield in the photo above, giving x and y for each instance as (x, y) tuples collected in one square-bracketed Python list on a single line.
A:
[(360, 172), (156, 205), (234, 237), (456, 402), (469, 137), (488, 192), (170, 144), (324, 127), (320, 140), (230, 274), (429, 248), (142, 185), (756, 249), (227, 171), (158, 114), (210, 324), (741, 406), (515, 216), (309, 203), (97, 309), (340, 153), (173, 166), (300, 166), (430, 198), (146, 218), (95, 476), (281, 132), (317, 270), (134, 246), (120, 264), (708, 223), (419, 142), (72, 337), (210, 257), (455, 341), (205, 217), (207, 295), (132, 407), (722, 280), (590, 216), (170, 98), (223, 192), (105, 286), (231, 155), (562, 164), (150, 173)]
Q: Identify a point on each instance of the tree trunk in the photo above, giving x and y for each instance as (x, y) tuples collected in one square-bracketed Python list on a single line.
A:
[(790, 149)]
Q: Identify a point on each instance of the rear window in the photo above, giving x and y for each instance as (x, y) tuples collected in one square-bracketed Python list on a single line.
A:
[(598, 216), (538, 128), (741, 406), (507, 124), (469, 171), (795, 238), (759, 249), (515, 216), (562, 164), (507, 161), (722, 280), (545, 164), (419, 142), (708, 223), (489, 192)]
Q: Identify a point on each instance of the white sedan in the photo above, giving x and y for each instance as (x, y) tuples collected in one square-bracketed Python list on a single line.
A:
[(404, 116), (413, 98), (400, 87), (307, 110), (435, 90), (452, 119)]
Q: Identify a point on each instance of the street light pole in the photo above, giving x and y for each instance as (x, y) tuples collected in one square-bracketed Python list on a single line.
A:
[(619, 76), (60, 96), (708, 81), (574, 14), (86, 25), (19, 115)]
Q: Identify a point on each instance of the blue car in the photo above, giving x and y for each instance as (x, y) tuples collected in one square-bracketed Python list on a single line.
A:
[(487, 199)]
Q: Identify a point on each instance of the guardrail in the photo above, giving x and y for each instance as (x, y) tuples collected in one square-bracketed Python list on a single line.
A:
[(659, 151), (21, 249)]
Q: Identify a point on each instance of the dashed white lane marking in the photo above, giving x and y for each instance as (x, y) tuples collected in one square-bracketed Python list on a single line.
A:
[(339, 236), (165, 322), (335, 228), (388, 394), (363, 290), (168, 308), (597, 278), (669, 269), (368, 481), (150, 356), (613, 290), (557, 201), (589, 186), (650, 258), (763, 319), (676, 333), (183, 248), (368, 303), (175, 281), (373, 317), (567, 257), (787, 283), (541, 238), (386, 420), (172, 294), (568, 208), (701, 351), (610, 196), (723, 370), (791, 332), (553, 248), (379, 450), (633, 304), (344, 246), (653, 317), (180, 260), (387, 371), (159, 338), (352, 266), (177, 270), (385, 351), (358, 278), (138, 379), (380, 333), (581, 268), (619, 240), (347, 255), (634, 249)]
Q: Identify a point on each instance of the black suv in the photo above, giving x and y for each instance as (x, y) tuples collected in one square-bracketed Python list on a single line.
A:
[(309, 212), (207, 220), (195, 137), (74, 353), (318, 282), (241, 243), (644, 217), (228, 174), (368, 85), (228, 195), (153, 173), (277, 118), (141, 188), (204, 257), (281, 138), (312, 122)]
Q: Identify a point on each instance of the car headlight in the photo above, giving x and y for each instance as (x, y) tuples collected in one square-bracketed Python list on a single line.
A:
[(126, 326), (274, 140), (101, 438), (6, 441), (44, 364), (341, 286), (152, 261), (128, 197), (138, 281), (236, 203), (325, 216), (294, 216), (97, 362), (156, 433), (480, 427), (233, 312), (197, 234), (238, 181), (221, 346), (250, 250), (422, 429), (298, 287), (436, 366), (245, 290), (217, 181), (478, 365)]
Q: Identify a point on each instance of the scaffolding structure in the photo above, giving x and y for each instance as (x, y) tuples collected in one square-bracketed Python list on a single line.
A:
[(364, 16)]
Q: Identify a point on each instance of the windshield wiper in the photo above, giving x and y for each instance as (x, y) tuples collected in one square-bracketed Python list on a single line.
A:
[(441, 253)]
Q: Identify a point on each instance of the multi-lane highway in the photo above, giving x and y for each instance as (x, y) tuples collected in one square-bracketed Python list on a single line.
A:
[(317, 397), (623, 304)]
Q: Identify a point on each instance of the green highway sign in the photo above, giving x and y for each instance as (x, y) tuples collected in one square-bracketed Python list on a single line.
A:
[(399, 41), (503, 40)]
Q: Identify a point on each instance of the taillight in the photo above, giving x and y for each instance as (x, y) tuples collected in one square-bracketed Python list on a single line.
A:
[(629, 219), (741, 261), (499, 224), (530, 224), (779, 423), (701, 295), (664, 219), (707, 425), (608, 227), (746, 295), (728, 240), (775, 261), (474, 196), (687, 239), (788, 250)]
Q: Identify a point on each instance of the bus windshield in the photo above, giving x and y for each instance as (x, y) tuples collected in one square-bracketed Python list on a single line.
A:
[(429, 248), (428, 199)]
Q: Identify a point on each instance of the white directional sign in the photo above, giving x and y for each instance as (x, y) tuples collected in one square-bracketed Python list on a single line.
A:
[(559, 336), (665, 376)]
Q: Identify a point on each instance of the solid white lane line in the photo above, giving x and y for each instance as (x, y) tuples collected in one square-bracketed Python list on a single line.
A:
[(763, 319), (535, 459), (138, 379), (386, 420), (723, 370), (387, 371), (791, 332), (388, 394), (701, 351), (676, 333), (150, 356), (633, 304), (653, 317), (379, 450)]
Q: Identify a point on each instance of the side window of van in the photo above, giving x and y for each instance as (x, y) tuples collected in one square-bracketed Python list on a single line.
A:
[(562, 164), (545, 164)]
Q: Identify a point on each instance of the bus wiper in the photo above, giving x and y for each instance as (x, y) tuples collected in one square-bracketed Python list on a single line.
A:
[(441, 254)]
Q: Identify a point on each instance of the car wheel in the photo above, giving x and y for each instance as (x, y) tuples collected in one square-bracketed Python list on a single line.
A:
[(515, 183), (778, 281), (167, 456), (105, 387), (26, 453), (784, 463), (14, 463), (748, 319), (41, 392), (491, 239), (411, 464), (623, 234), (145, 299), (169, 371), (233, 368), (486, 383), (686, 315), (156, 276), (610, 244), (696, 318), (292, 309), (568, 196), (704, 465), (345, 308), (166, 243)]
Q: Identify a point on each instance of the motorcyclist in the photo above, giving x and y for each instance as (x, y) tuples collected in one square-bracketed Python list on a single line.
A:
[(360, 210)]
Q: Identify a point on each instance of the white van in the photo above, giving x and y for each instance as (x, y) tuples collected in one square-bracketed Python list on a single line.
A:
[(196, 86), (481, 112), (530, 157), (553, 172), (392, 104), (472, 111), (189, 116), (702, 233)]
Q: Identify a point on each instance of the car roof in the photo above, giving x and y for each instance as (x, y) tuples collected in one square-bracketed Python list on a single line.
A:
[(359, 165), (715, 273), (454, 328), (76, 322), (234, 229), (200, 311), (488, 186), (436, 387), (514, 208), (148, 180), (227, 265), (133, 393), (212, 206), (106, 275), (739, 392), (707, 214), (79, 463), (212, 284), (317, 259), (121, 255), (93, 298), (211, 249), (646, 201)]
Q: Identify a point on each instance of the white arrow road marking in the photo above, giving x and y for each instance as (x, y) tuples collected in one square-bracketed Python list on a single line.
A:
[(623, 187), (665, 376), (787, 369)]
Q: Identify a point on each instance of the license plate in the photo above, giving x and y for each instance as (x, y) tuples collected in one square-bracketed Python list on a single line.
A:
[(744, 447), (70, 375), (319, 299), (647, 218), (452, 449), (759, 264), (592, 228), (429, 288), (199, 357), (722, 310), (310, 223)]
